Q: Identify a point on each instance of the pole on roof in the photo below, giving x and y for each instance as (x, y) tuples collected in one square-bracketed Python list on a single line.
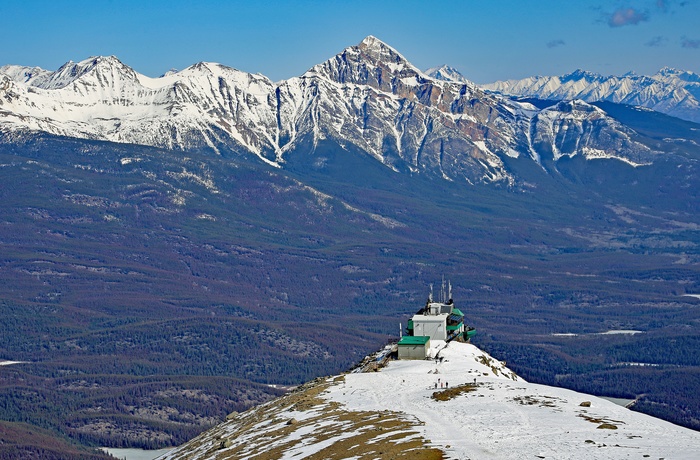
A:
[(442, 290)]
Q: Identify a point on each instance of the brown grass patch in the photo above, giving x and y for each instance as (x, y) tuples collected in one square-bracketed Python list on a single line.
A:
[(446, 395), (604, 423), (264, 433), (544, 401)]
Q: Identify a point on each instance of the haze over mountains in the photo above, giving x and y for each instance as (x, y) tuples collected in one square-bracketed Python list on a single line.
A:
[(670, 91), (173, 246)]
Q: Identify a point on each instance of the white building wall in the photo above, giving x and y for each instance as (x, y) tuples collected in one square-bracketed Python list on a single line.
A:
[(413, 351), (431, 326)]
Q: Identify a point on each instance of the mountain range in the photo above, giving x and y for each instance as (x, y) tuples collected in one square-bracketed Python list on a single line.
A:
[(369, 97), (176, 248), (670, 91)]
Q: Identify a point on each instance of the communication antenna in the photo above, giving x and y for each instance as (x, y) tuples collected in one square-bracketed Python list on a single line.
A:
[(442, 290), (449, 289), (430, 296)]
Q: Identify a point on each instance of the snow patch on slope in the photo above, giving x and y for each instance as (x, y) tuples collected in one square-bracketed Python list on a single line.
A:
[(466, 405)]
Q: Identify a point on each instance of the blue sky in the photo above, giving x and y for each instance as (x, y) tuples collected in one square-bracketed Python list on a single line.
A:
[(486, 40)]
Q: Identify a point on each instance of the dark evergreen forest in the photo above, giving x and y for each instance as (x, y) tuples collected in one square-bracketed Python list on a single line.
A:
[(150, 293)]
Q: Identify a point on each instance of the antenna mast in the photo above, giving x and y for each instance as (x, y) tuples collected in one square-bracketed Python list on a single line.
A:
[(442, 290)]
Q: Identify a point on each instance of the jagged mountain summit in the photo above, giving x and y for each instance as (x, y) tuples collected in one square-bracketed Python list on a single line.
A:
[(368, 98), (670, 91), (447, 73), (465, 405)]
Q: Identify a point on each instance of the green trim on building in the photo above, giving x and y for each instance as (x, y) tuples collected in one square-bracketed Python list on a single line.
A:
[(454, 328), (411, 340), (457, 311)]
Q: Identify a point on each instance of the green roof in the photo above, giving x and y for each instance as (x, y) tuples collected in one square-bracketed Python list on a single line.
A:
[(414, 340), (457, 311)]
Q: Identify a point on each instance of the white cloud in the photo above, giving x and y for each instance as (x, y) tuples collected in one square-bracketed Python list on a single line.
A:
[(627, 16)]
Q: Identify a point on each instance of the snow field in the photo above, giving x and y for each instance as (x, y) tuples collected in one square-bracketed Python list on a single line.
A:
[(509, 419)]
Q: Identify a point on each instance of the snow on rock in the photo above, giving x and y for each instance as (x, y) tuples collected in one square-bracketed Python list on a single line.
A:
[(368, 96), (571, 128), (669, 91), (446, 73), (464, 405), (34, 76)]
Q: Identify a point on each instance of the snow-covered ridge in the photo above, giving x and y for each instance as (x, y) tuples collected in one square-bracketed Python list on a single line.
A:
[(368, 96), (669, 91), (465, 405), (446, 73)]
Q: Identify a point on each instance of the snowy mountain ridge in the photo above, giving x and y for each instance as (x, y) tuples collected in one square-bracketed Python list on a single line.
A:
[(464, 405), (670, 91), (446, 73), (368, 97)]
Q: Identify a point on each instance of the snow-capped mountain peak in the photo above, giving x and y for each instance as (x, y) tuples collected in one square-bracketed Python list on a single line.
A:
[(580, 74), (669, 91), (371, 62), (380, 51), (27, 75), (446, 73), (370, 42), (683, 75), (107, 67), (368, 96)]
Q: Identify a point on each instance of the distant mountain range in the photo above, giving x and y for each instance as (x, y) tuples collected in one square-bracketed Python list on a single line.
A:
[(670, 91), (367, 98)]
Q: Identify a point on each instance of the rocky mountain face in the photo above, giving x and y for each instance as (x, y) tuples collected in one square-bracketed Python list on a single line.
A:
[(367, 98), (670, 91)]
